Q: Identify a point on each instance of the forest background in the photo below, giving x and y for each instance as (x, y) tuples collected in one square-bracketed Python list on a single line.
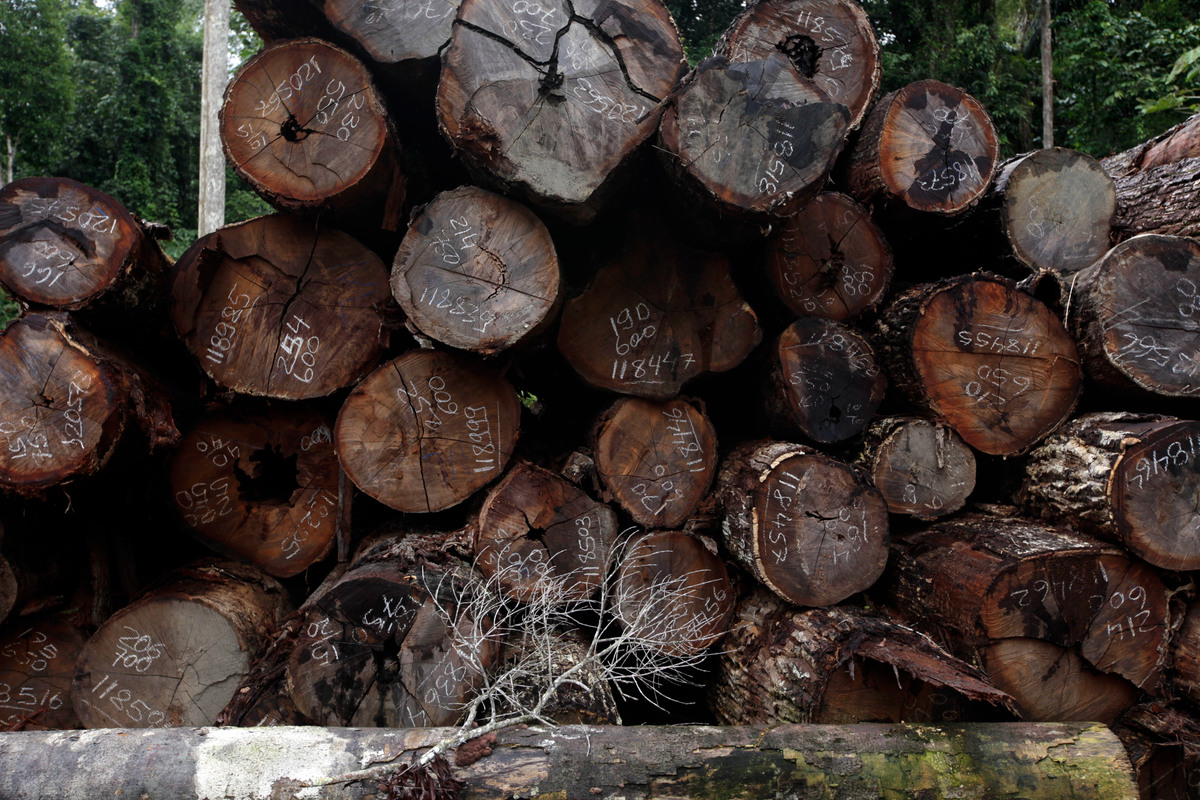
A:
[(108, 91)]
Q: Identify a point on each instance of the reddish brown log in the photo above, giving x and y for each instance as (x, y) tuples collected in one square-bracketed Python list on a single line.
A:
[(37, 664), (656, 459), (922, 468), (829, 260), (1163, 744), (303, 125), (477, 271), (426, 430), (1186, 660), (989, 360), (1158, 183), (811, 529), (260, 487), (281, 307)]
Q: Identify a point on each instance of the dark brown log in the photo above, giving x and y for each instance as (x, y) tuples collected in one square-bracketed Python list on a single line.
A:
[(1134, 313), (752, 137), (823, 381), (841, 665), (922, 468), (1157, 183), (176, 655), (1127, 478), (261, 487), (1186, 661), (656, 459), (1056, 209), (811, 529), (672, 594), (980, 578), (67, 245), (984, 357), (303, 125), (37, 664), (534, 524), (1173, 145), (377, 650), (477, 271), (547, 100), (281, 307), (656, 316), (587, 699), (1164, 747), (928, 147), (829, 42), (1048, 762), (28, 577), (829, 260), (426, 430)]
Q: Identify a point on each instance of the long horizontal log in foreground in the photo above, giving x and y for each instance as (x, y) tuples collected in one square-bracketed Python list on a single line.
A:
[(1080, 761)]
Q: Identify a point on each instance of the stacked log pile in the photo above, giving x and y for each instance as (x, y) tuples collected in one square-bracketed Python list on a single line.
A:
[(685, 340)]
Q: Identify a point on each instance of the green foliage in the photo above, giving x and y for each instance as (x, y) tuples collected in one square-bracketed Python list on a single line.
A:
[(9, 309), (36, 95), (701, 23)]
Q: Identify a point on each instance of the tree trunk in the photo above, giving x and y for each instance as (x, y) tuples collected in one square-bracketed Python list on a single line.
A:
[(37, 664), (656, 459), (928, 147), (303, 125), (753, 137), (984, 357), (657, 315), (1049, 762), (1127, 478), (829, 42), (830, 260), (214, 73), (1133, 313), (175, 656), (811, 529), (1047, 76), (427, 430), (281, 307), (922, 468), (477, 271), (1164, 747), (549, 101), (259, 487), (1157, 183), (841, 665), (823, 381)]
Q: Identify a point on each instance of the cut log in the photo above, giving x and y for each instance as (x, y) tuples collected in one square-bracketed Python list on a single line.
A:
[(1048, 762), (1173, 145), (378, 646), (673, 595), (984, 357), (656, 459), (1187, 656), (477, 271), (656, 316), (829, 260), (1056, 208), (533, 525), (1127, 478), (752, 137), (175, 656), (261, 487), (829, 42), (37, 664), (1134, 313), (548, 100), (426, 430), (823, 382), (281, 307), (811, 529), (1164, 747), (928, 147), (67, 245), (586, 699), (841, 665), (922, 468), (303, 125), (985, 577), (1157, 184)]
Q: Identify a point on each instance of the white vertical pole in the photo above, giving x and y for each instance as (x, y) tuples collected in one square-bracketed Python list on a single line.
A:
[(213, 77)]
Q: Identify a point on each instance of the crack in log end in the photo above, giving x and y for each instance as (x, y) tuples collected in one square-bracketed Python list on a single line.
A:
[(803, 52), (292, 130), (550, 85), (477, 136)]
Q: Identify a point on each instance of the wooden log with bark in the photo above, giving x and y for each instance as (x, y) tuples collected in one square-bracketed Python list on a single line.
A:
[(37, 665), (810, 528), (841, 665), (1132, 479), (477, 271), (1163, 743), (982, 356), (1158, 183), (1186, 660), (548, 101), (427, 430), (281, 306), (303, 125), (175, 656), (260, 486), (921, 467)]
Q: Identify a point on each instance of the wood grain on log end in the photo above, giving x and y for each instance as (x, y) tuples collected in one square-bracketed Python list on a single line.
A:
[(922, 468)]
